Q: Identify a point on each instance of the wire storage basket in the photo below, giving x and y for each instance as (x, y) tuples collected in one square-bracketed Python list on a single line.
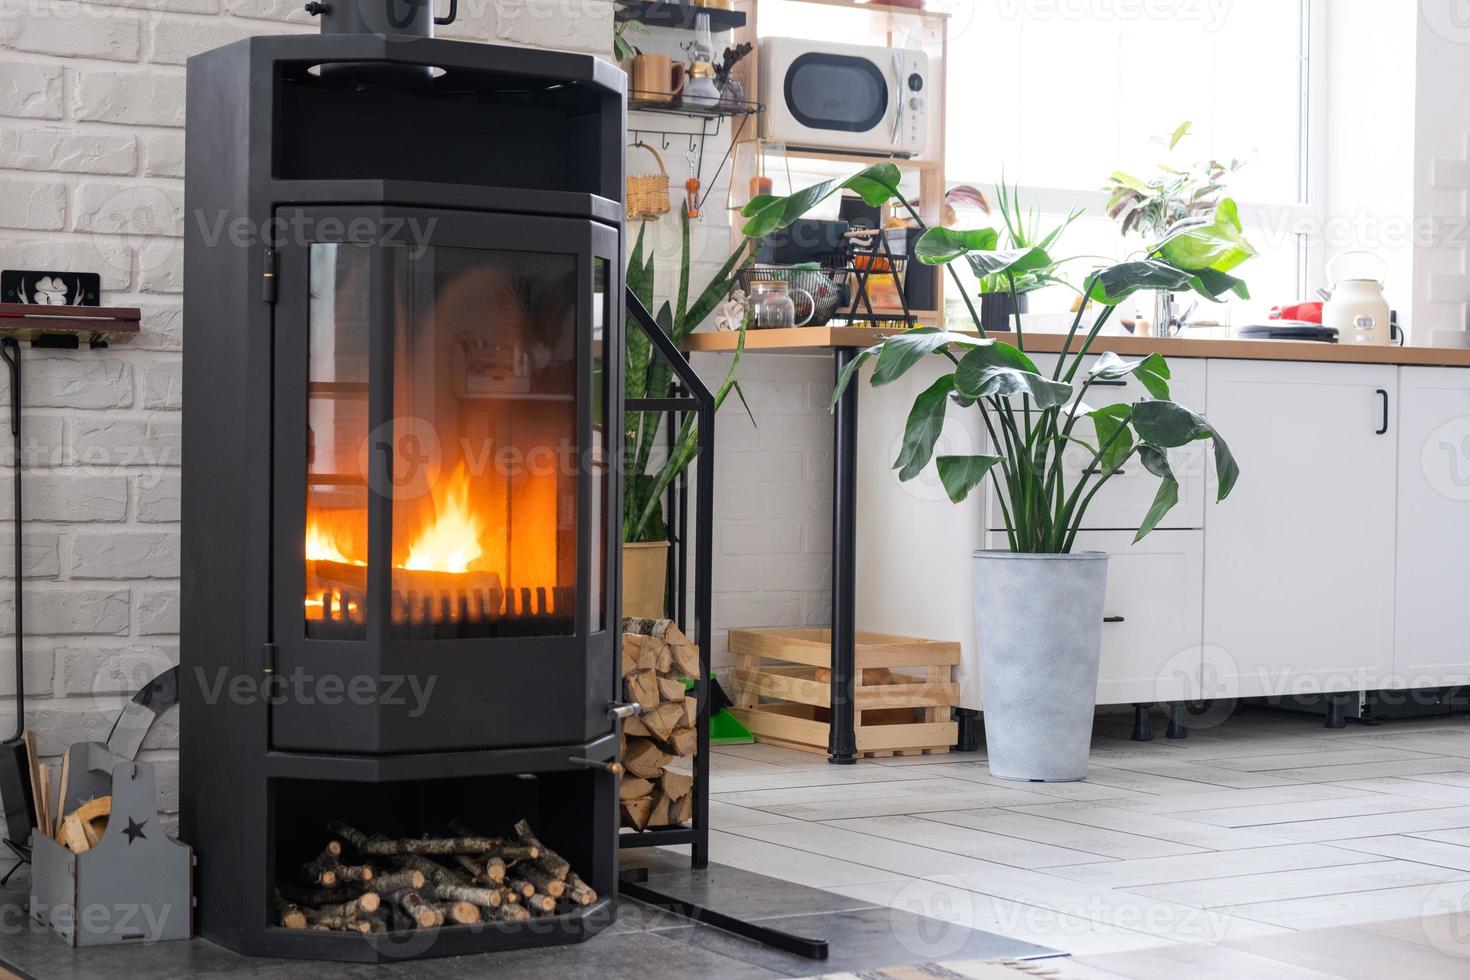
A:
[(826, 287), (648, 194)]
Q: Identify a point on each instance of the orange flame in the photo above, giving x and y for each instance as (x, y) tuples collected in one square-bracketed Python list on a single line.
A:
[(452, 542), (320, 546)]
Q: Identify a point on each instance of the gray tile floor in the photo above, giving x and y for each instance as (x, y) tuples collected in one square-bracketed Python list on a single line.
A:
[(1268, 836), (644, 942)]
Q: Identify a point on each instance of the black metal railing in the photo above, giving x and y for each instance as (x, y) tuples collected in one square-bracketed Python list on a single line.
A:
[(689, 395)]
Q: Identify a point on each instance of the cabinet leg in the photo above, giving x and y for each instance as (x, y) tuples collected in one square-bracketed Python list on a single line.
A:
[(1336, 703), (1176, 721), (968, 721), (1143, 728)]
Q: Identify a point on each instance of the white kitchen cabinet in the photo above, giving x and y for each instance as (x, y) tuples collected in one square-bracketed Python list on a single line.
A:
[(914, 546), (1152, 615), (1299, 561), (1125, 499), (1431, 616)]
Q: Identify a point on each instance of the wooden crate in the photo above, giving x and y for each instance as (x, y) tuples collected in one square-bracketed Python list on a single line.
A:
[(781, 686)]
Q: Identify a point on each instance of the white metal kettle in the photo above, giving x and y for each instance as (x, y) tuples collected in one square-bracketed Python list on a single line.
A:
[(1357, 307)]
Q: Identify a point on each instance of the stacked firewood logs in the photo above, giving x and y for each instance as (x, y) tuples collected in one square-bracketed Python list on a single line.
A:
[(657, 657), (412, 883)]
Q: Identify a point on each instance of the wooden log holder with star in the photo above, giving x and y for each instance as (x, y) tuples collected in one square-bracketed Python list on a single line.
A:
[(107, 870)]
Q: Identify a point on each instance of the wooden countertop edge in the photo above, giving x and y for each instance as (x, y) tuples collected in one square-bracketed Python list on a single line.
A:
[(816, 338)]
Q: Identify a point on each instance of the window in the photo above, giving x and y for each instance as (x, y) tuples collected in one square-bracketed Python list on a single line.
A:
[(1057, 94)]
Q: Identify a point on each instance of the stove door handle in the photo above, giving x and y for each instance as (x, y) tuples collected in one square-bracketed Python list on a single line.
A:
[(622, 710)]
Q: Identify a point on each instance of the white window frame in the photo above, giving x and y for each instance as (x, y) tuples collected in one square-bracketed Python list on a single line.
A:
[(1308, 213)]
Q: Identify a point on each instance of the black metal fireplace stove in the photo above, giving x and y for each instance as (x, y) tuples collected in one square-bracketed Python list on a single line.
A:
[(400, 576)]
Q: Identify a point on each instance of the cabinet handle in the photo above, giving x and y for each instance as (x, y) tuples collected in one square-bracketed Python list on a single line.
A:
[(1095, 471), (1384, 429), (1107, 383), (1112, 619)]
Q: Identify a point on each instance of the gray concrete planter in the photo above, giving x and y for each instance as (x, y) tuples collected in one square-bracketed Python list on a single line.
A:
[(1038, 625)]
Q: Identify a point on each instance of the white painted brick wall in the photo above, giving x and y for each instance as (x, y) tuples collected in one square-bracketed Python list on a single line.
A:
[(91, 167)]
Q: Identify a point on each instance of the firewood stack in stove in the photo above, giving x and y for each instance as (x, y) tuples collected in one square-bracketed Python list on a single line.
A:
[(371, 883)]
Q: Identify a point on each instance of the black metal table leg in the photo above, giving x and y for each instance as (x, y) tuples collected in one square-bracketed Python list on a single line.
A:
[(842, 739)]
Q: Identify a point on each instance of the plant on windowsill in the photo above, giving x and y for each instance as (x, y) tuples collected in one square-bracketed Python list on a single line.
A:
[(647, 475), (1039, 605), (1020, 230), (1152, 207)]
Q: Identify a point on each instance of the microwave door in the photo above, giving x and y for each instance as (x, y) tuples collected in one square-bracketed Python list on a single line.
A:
[(898, 98), (839, 94)]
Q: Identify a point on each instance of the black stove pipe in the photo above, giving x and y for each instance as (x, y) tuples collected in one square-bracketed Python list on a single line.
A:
[(394, 19)]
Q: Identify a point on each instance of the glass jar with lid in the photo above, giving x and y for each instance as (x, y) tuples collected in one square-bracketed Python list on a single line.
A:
[(772, 307)]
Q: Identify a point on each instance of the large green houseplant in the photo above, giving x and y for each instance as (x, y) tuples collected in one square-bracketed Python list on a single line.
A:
[(1039, 604), (647, 473)]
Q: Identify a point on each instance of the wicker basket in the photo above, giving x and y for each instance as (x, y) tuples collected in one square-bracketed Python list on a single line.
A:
[(648, 194)]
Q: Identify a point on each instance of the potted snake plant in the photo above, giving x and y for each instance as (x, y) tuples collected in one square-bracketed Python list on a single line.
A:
[(647, 474), (1039, 603)]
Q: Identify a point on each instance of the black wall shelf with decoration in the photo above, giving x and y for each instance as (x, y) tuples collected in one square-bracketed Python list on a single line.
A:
[(711, 119), (679, 16)]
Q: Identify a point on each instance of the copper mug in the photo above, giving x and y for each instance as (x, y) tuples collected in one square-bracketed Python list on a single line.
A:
[(658, 78)]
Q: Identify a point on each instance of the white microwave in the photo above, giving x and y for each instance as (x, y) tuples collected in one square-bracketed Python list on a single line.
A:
[(845, 96)]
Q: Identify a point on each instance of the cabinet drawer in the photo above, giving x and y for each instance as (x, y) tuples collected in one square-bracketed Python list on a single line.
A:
[(1123, 502), (1153, 615)]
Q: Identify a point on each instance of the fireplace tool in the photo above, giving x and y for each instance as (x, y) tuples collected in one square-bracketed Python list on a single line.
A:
[(15, 768)]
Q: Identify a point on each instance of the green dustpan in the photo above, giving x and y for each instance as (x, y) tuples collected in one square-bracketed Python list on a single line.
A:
[(724, 728)]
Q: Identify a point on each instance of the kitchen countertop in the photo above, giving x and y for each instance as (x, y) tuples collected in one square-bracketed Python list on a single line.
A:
[(817, 339)]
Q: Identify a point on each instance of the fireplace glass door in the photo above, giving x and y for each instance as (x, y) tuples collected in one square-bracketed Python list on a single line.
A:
[(483, 472), (448, 523)]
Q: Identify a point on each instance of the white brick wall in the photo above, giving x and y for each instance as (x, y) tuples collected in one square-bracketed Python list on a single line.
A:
[(773, 492), (91, 168)]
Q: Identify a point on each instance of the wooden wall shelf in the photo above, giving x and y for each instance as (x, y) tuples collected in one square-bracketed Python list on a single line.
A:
[(92, 324)]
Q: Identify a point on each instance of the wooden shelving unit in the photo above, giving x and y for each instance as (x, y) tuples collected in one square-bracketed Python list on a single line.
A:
[(930, 167)]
